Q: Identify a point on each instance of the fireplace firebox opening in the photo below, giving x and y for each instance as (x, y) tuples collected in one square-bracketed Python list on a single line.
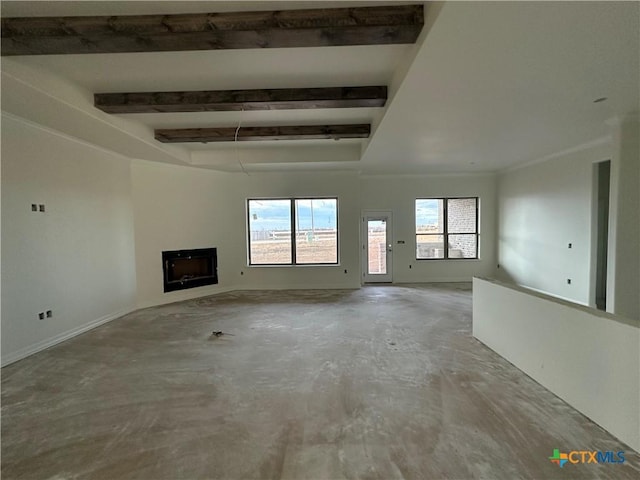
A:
[(184, 269)]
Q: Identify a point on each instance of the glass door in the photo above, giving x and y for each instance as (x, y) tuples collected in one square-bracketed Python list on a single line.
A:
[(377, 247)]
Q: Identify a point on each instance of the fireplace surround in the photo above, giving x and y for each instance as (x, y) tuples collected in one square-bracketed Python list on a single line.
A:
[(184, 269)]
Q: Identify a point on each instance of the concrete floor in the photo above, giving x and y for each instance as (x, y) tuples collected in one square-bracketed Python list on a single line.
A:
[(380, 383)]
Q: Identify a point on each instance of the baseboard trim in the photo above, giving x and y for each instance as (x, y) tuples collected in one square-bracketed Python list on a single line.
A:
[(181, 296), (435, 280), (50, 342), (175, 297), (297, 286)]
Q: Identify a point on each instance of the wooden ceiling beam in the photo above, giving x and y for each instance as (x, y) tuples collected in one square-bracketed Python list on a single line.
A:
[(244, 134), (212, 31), (241, 100)]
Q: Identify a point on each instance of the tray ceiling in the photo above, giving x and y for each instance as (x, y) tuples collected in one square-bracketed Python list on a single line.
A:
[(485, 87)]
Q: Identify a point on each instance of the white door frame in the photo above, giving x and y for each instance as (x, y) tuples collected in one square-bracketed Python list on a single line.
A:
[(376, 277)]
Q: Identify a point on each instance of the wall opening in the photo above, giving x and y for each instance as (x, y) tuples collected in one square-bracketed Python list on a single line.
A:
[(602, 185)]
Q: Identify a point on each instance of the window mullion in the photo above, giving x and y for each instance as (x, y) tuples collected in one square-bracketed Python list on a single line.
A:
[(445, 208), (293, 231), (248, 223), (477, 231)]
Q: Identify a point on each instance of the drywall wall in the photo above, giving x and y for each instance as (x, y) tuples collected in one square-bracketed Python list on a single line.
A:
[(586, 357), (182, 208), (177, 208), (76, 258), (398, 194), (543, 208), (0, 254), (625, 221)]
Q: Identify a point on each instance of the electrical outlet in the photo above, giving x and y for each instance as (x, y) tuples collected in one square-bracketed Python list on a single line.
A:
[(41, 315), (49, 314), (570, 245), (41, 207), (410, 267), (568, 281), (34, 207), (345, 270)]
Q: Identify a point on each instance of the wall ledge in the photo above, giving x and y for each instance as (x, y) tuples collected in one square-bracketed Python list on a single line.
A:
[(586, 357), (561, 301)]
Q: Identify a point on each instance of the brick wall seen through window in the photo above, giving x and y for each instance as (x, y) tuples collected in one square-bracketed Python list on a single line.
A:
[(446, 228)]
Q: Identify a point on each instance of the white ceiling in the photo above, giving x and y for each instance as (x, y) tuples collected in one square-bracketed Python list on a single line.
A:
[(501, 83), (489, 85)]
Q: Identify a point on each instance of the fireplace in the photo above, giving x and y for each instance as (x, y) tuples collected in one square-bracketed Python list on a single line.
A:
[(189, 268)]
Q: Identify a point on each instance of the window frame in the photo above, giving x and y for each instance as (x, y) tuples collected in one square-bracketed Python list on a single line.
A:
[(445, 229), (294, 231)]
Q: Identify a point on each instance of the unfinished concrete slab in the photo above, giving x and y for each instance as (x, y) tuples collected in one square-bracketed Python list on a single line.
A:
[(384, 382)]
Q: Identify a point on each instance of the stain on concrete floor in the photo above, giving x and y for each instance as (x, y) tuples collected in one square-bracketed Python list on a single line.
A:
[(378, 383)]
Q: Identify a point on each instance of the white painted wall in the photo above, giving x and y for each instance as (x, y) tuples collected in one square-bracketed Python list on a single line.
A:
[(398, 194), (586, 357), (77, 258), (182, 208), (542, 208), (179, 208), (625, 221), (0, 255)]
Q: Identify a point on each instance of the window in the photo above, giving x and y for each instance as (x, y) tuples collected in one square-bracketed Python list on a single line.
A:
[(446, 228), (293, 231)]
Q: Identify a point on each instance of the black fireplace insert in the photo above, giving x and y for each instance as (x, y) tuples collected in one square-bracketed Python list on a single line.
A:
[(184, 269)]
